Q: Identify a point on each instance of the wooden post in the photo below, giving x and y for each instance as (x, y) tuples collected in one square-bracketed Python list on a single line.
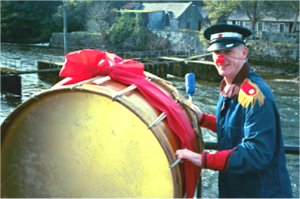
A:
[(11, 81), (65, 27)]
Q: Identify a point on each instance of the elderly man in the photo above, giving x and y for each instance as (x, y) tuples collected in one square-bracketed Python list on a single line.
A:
[(250, 156)]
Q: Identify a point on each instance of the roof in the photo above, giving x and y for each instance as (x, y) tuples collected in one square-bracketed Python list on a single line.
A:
[(177, 8), (202, 11), (131, 6), (238, 15)]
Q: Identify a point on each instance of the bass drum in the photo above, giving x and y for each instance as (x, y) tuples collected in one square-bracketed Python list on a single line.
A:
[(97, 138)]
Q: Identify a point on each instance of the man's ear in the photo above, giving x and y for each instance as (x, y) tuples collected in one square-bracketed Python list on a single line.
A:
[(245, 52)]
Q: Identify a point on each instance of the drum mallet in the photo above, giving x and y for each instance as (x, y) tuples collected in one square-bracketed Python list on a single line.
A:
[(190, 85)]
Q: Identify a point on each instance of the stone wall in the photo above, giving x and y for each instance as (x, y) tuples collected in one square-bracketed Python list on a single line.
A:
[(77, 40), (271, 51), (182, 41), (282, 37)]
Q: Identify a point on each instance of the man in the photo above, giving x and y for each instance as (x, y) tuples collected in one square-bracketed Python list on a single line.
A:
[(250, 156)]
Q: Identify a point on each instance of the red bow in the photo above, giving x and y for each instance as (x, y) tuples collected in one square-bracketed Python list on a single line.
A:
[(85, 64)]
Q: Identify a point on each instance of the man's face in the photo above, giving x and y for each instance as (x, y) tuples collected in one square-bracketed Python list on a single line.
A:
[(229, 62)]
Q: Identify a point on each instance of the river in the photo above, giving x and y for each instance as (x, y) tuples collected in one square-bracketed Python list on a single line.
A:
[(285, 89)]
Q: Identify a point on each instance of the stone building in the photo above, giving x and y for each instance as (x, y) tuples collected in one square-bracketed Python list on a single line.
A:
[(167, 16)]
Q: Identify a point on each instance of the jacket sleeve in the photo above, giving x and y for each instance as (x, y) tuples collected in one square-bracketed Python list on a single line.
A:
[(257, 148), (210, 122)]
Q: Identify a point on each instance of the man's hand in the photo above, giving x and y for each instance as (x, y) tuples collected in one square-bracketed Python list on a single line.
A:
[(200, 115), (195, 158)]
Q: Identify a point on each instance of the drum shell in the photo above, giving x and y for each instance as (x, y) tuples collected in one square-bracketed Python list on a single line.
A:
[(54, 112)]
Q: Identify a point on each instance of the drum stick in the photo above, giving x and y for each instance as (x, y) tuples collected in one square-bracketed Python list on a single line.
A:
[(174, 164)]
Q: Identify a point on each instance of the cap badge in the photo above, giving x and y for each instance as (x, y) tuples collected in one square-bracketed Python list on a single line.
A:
[(226, 34)]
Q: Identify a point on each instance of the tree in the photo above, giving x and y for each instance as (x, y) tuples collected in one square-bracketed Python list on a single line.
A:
[(139, 32), (218, 11), (96, 15), (129, 32), (121, 29), (89, 15), (27, 21), (221, 10), (76, 10), (294, 8), (254, 9), (100, 15)]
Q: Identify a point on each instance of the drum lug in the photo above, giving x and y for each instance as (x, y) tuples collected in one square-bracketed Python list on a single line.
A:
[(101, 80), (97, 80), (122, 92), (157, 120)]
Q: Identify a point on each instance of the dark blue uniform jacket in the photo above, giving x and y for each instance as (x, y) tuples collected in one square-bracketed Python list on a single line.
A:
[(248, 125)]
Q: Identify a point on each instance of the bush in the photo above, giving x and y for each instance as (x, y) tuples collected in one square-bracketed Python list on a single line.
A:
[(120, 30)]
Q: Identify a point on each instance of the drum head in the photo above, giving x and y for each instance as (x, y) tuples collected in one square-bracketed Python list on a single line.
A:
[(81, 144)]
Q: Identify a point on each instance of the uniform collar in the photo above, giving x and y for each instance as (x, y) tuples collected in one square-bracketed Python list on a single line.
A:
[(234, 89)]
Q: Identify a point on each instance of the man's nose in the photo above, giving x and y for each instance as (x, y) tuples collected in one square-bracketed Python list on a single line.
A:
[(220, 59)]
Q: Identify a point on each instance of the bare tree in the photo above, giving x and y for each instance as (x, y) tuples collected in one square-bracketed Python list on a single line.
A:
[(96, 15)]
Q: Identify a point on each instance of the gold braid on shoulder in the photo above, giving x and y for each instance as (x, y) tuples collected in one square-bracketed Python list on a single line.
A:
[(250, 94)]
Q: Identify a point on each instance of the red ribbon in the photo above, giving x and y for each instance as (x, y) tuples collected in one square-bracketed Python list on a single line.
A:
[(85, 64)]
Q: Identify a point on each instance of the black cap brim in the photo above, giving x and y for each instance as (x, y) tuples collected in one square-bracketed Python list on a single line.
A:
[(223, 46)]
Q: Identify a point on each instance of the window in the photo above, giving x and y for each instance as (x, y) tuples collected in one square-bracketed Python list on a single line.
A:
[(240, 23), (281, 27), (188, 25), (167, 20), (274, 27), (260, 26), (247, 25)]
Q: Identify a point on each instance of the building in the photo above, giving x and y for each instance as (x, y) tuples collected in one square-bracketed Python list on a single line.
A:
[(266, 24), (167, 16)]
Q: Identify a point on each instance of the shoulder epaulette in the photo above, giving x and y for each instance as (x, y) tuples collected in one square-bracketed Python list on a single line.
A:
[(250, 94)]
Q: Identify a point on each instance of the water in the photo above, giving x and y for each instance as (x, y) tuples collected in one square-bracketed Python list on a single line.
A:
[(286, 92)]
